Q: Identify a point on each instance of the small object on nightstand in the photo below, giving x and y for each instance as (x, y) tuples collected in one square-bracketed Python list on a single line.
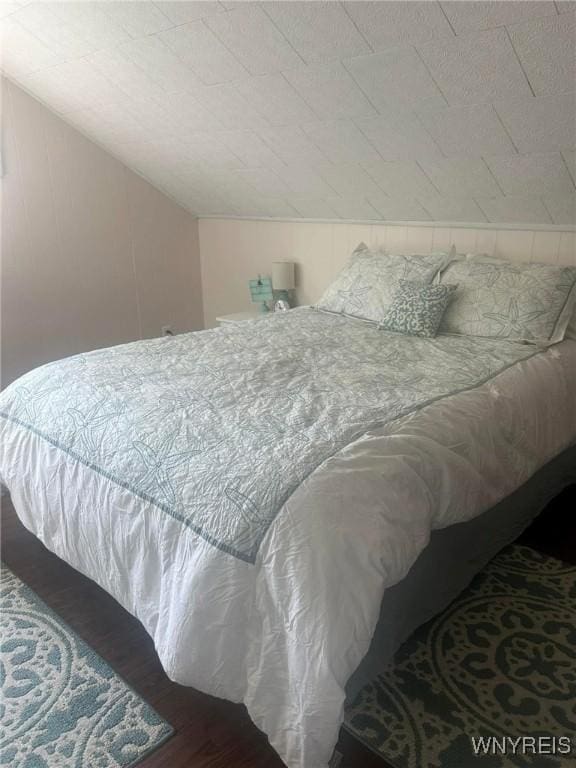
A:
[(237, 317), (261, 292), (283, 283)]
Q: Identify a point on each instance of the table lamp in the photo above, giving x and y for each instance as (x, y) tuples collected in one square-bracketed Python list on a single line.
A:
[(283, 283)]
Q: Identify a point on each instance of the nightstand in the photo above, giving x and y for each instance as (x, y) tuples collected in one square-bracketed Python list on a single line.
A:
[(238, 317)]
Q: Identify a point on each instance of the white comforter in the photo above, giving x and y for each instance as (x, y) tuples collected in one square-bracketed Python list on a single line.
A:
[(282, 630)]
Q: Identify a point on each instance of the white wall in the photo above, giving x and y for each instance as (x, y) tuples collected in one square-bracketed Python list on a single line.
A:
[(92, 255), (232, 251)]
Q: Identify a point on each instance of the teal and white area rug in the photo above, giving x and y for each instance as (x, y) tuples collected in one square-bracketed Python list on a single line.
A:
[(499, 665), (61, 705)]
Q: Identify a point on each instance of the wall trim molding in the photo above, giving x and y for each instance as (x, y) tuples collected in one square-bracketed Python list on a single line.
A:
[(520, 227)]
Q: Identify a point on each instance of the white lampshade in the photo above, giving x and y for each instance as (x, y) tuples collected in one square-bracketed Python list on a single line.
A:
[(283, 275)]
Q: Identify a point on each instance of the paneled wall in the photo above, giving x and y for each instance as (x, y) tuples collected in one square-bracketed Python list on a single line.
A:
[(232, 251), (92, 255)]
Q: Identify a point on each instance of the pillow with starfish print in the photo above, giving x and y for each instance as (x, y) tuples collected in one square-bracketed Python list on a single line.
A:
[(368, 283), (529, 302)]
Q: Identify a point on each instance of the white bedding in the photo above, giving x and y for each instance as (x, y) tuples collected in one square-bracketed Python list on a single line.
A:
[(283, 634)]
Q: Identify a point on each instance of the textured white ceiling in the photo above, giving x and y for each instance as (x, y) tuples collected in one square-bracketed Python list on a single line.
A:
[(444, 111)]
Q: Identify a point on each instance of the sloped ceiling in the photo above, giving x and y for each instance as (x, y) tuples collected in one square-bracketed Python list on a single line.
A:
[(444, 111)]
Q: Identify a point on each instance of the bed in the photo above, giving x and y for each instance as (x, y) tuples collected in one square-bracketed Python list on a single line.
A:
[(252, 492)]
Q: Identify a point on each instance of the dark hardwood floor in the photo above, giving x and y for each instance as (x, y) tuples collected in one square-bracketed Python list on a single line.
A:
[(210, 733)]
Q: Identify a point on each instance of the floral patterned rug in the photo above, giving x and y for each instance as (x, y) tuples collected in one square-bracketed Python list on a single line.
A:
[(61, 705), (499, 662)]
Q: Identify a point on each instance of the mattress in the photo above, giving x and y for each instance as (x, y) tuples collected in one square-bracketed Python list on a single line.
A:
[(251, 492)]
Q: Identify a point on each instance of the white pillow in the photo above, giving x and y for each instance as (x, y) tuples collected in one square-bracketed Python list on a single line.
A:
[(520, 301), (366, 286)]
